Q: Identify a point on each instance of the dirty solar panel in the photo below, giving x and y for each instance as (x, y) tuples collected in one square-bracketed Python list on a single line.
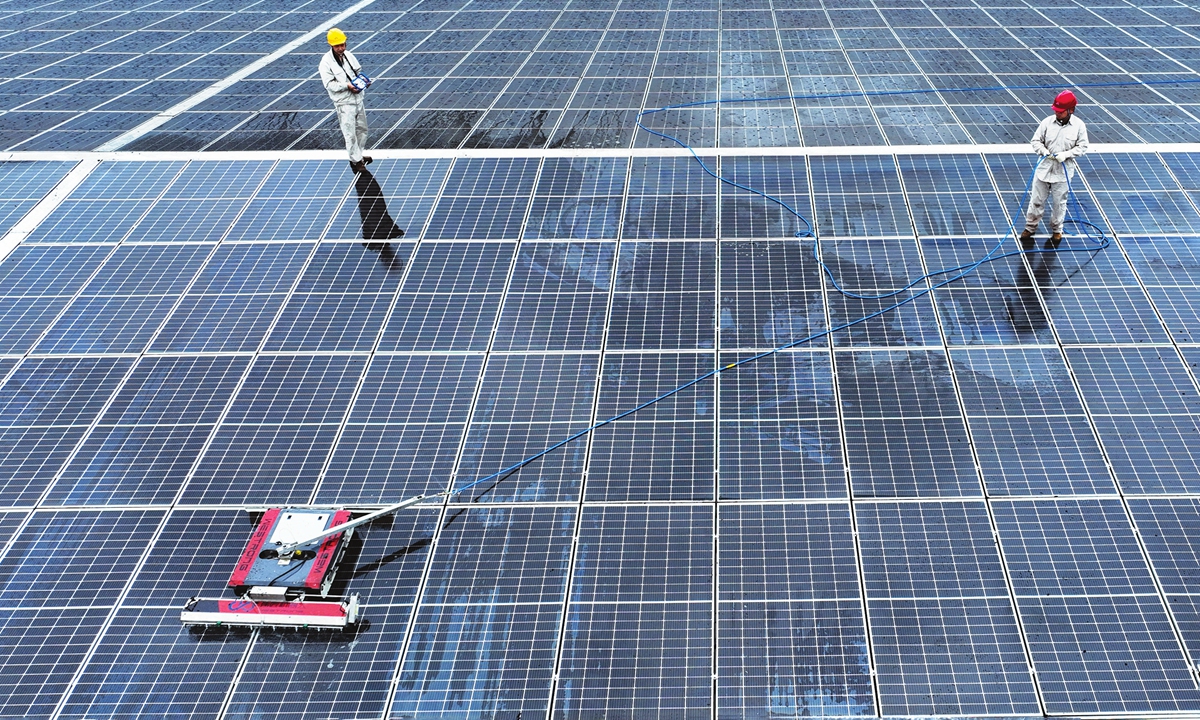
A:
[(881, 522), (147, 663), (558, 297), (101, 72)]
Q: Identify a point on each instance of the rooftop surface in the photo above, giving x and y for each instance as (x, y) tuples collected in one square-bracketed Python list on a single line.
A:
[(984, 501)]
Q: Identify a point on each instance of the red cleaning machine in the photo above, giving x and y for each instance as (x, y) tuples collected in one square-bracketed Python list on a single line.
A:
[(284, 575)]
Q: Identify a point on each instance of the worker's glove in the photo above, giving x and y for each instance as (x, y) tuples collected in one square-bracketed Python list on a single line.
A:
[(1043, 152), (1061, 157)]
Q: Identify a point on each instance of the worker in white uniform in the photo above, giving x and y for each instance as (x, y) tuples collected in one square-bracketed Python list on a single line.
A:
[(1059, 139), (339, 67)]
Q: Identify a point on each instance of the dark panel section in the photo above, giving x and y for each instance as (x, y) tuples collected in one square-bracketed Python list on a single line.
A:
[(632, 658), (801, 658)]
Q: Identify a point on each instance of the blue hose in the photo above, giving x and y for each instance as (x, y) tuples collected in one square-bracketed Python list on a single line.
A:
[(1096, 240)]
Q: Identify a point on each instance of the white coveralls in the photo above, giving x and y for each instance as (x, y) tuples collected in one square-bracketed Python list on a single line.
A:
[(351, 112), (1049, 139)]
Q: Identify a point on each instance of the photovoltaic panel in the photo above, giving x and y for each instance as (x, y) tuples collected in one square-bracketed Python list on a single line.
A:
[(758, 543), (929, 550), (341, 300), (36, 284), (358, 671), (501, 556), (45, 407), (278, 430), (235, 298), (793, 658), (558, 298), (74, 559), (24, 184), (146, 663), (1126, 632), (622, 657), (479, 659), (674, 559), (43, 649), (806, 535), (578, 199), (971, 657), (144, 446), (121, 309)]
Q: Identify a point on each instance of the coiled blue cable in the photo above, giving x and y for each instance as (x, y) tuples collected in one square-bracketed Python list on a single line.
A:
[(1096, 240)]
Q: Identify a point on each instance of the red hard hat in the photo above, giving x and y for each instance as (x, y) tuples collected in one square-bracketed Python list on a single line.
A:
[(1065, 101)]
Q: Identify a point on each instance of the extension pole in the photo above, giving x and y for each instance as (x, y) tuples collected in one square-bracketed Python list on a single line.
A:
[(286, 549)]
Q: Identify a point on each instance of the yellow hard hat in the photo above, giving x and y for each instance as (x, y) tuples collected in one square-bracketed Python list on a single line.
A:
[(335, 36)]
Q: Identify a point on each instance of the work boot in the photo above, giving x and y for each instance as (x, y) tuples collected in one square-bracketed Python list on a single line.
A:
[(358, 167), (1026, 240), (367, 159), (1054, 241)]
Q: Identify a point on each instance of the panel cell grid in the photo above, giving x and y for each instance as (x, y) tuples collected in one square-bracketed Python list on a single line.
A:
[(831, 496), (1071, 547), (928, 550), (74, 559), (667, 549), (793, 659), (143, 447)]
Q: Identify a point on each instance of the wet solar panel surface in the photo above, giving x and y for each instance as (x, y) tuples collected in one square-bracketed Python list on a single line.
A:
[(983, 503)]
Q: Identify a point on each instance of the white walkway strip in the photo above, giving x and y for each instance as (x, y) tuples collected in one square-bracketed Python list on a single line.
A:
[(166, 115), (340, 154), (42, 210)]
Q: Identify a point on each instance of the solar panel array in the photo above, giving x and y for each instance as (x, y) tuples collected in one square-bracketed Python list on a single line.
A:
[(77, 74), (559, 74), (983, 503)]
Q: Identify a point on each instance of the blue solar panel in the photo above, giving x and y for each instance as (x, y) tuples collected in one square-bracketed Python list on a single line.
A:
[(479, 659), (979, 503), (43, 649), (145, 444), (974, 660)]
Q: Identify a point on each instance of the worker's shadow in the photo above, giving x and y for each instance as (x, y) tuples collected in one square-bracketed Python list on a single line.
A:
[(378, 227), (1032, 271)]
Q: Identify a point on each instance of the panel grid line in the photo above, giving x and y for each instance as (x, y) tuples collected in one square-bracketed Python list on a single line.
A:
[(787, 76), (581, 505), (1172, 621), (128, 586), (862, 88), (827, 291), (1011, 594), (452, 481)]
